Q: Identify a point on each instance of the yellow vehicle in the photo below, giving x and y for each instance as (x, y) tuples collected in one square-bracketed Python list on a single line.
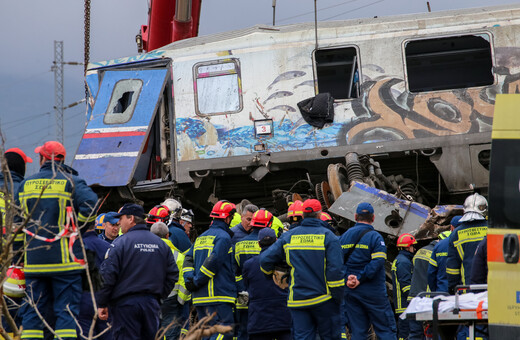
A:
[(504, 220)]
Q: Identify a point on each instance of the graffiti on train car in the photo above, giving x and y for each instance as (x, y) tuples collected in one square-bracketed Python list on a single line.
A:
[(385, 112)]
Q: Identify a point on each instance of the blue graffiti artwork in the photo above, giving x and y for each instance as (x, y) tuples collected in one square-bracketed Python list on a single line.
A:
[(288, 135)]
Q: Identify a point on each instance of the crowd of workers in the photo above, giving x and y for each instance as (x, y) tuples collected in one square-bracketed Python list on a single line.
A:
[(247, 270)]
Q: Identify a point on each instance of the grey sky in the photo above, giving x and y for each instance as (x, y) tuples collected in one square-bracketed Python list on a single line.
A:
[(29, 28)]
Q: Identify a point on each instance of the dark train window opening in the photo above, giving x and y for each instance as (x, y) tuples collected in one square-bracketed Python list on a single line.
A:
[(123, 101), (338, 72), (449, 63)]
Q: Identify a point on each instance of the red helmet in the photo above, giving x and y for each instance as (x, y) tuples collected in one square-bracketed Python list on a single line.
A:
[(222, 209), (262, 219), (295, 209), (325, 217), (159, 213), (14, 286), (406, 240)]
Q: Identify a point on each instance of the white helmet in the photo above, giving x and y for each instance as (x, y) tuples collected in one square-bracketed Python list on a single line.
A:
[(187, 215), (174, 206), (475, 203)]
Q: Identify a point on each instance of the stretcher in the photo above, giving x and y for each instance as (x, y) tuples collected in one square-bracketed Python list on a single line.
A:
[(441, 309)]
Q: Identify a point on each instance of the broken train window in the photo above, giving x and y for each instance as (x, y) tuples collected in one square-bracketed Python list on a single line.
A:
[(449, 63), (218, 87), (123, 100), (338, 72)]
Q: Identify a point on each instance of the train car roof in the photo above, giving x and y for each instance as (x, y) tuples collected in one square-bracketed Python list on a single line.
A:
[(264, 34)]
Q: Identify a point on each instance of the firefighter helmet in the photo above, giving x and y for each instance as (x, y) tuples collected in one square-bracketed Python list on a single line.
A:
[(174, 206), (295, 209), (325, 217), (475, 203), (99, 221), (406, 240), (222, 209), (187, 215), (14, 286), (262, 219), (159, 213)]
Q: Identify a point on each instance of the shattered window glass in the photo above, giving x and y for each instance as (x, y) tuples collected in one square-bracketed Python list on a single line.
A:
[(449, 63), (217, 87), (123, 101)]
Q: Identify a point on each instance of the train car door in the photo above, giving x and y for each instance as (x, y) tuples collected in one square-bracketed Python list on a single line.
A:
[(117, 135)]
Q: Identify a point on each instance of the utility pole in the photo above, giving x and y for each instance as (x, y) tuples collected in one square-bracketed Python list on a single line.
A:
[(58, 88), (57, 67)]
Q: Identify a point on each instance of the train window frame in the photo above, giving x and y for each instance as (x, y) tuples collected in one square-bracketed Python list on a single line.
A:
[(196, 87), (486, 35), (111, 118), (358, 68)]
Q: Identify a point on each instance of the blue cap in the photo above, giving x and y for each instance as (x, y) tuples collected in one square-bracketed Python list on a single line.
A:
[(455, 221), (364, 208), (131, 209), (266, 232), (111, 217)]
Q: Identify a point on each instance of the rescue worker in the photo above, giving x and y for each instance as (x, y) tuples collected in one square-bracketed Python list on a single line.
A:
[(99, 223), (174, 309), (402, 269), (437, 277), (159, 213), (463, 243), (243, 229), (269, 317), (178, 236), (96, 249), (295, 214), (316, 290), (479, 268), (325, 217), (16, 162), (110, 227), (464, 240), (138, 271), (421, 261), (366, 299), (245, 249), (209, 272), (51, 272), (187, 221)]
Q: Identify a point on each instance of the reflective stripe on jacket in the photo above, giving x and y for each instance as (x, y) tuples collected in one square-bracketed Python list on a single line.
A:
[(421, 261), (402, 279), (462, 246), (47, 195), (314, 255), (209, 264), (183, 295), (437, 277)]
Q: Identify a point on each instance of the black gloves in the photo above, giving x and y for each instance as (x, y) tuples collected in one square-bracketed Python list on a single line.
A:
[(191, 286)]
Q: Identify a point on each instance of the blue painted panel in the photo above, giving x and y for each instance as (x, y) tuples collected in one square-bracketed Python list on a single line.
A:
[(111, 144), (153, 81), (109, 153)]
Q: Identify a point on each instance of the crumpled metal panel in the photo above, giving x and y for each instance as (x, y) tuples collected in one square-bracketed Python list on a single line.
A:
[(393, 216)]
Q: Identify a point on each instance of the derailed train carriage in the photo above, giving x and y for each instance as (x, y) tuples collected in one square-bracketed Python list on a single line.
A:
[(217, 117)]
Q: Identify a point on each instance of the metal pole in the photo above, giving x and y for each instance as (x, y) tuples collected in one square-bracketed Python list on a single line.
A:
[(58, 88), (274, 11)]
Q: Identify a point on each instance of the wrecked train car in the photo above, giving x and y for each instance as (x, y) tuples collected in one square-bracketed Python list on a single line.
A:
[(218, 116)]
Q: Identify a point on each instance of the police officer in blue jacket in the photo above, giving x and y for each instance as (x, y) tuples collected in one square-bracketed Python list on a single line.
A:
[(437, 277), (209, 270), (366, 299), (51, 271), (314, 254), (139, 271)]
